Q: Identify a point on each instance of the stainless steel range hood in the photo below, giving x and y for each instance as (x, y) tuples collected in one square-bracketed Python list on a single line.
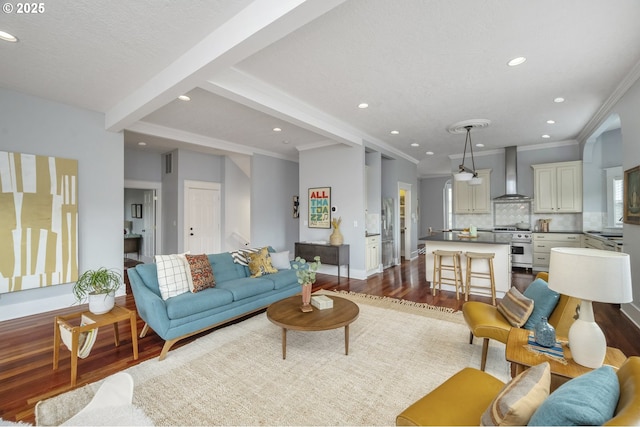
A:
[(511, 177)]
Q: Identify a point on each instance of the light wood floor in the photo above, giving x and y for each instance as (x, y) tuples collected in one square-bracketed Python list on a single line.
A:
[(26, 374)]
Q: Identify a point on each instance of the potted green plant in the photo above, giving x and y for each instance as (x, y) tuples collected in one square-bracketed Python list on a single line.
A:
[(306, 273), (98, 287)]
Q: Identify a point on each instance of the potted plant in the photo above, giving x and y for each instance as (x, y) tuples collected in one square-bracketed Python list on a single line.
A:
[(98, 287), (306, 273)]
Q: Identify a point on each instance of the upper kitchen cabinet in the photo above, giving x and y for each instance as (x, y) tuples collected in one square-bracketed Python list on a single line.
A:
[(557, 187), (474, 199)]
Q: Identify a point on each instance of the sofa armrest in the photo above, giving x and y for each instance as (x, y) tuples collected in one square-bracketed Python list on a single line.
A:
[(628, 410), (460, 400), (150, 306)]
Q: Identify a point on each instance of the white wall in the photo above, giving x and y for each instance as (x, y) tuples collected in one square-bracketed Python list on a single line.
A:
[(34, 125), (341, 168), (237, 207)]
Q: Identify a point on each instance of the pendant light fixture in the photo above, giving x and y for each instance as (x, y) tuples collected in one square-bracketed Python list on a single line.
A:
[(470, 175)]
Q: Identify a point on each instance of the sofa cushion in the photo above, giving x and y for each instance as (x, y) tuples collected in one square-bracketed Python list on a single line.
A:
[(201, 273), (225, 269), (246, 287), (544, 301), (149, 275), (589, 399), (172, 275), (515, 307), (519, 398), (280, 260), (188, 304), (283, 278), (260, 263)]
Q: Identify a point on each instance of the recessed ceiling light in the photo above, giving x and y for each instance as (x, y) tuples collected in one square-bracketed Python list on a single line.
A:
[(277, 129), (285, 141), (184, 98), (415, 144), (8, 37), (551, 122), (395, 132), (429, 153), (516, 61), (142, 143), (480, 145), (545, 136), (558, 99), (363, 105)]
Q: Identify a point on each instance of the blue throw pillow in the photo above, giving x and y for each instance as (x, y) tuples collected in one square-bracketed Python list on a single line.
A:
[(588, 400), (544, 301)]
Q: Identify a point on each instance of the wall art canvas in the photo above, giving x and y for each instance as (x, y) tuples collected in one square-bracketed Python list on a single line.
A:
[(38, 221), (632, 196), (320, 207)]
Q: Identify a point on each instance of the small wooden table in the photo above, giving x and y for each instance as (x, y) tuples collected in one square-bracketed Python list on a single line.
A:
[(287, 314), (521, 359), (116, 315)]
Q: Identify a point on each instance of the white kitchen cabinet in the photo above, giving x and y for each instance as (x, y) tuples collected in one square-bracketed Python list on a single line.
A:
[(592, 243), (372, 256), (543, 242), (473, 198), (557, 187)]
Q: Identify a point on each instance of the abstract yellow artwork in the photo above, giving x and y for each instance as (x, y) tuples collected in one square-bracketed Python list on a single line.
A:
[(38, 221)]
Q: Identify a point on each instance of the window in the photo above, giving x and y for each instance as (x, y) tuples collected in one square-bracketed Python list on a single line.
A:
[(447, 199), (614, 196)]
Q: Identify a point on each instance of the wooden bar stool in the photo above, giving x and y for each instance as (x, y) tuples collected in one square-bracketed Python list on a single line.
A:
[(439, 267), (481, 274)]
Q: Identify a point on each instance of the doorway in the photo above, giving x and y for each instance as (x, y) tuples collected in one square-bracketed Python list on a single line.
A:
[(404, 209), (147, 194), (202, 217)]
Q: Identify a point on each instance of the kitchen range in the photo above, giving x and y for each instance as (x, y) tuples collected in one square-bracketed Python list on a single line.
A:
[(521, 245)]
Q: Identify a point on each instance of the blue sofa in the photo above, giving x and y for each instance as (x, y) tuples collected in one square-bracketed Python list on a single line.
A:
[(235, 295)]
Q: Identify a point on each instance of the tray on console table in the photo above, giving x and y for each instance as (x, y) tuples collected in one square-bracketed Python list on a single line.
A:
[(329, 254)]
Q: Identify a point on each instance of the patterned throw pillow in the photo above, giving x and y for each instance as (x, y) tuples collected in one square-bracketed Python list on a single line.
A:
[(260, 263), (201, 272), (515, 307), (241, 255), (172, 275), (519, 398)]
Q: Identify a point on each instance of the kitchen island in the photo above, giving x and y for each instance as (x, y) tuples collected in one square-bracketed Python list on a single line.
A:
[(498, 243)]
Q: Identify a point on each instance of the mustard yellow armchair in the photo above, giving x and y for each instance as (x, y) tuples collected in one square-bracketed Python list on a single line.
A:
[(486, 322), (463, 398)]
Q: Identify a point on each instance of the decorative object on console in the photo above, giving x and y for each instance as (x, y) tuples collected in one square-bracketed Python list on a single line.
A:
[(591, 275), (99, 287), (544, 333), (336, 238), (464, 173), (306, 273)]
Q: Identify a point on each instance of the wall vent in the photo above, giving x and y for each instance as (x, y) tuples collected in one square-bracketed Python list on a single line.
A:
[(168, 163)]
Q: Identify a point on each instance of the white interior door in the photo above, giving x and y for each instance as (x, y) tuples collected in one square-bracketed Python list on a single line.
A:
[(202, 217), (149, 225), (407, 222)]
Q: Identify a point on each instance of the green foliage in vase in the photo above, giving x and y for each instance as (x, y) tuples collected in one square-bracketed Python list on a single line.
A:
[(100, 281), (306, 271)]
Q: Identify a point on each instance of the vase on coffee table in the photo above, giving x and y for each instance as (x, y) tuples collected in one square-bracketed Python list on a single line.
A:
[(306, 298)]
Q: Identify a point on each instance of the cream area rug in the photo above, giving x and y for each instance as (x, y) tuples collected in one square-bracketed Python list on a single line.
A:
[(398, 352)]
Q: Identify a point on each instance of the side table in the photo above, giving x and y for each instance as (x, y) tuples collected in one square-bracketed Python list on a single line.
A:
[(117, 314), (522, 358)]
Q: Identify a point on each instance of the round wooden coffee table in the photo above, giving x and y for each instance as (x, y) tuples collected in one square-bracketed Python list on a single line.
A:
[(287, 314)]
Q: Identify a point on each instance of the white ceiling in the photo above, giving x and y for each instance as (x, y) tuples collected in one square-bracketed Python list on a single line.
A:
[(304, 66)]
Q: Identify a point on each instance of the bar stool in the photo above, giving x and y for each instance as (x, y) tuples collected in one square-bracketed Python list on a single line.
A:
[(481, 274), (439, 267)]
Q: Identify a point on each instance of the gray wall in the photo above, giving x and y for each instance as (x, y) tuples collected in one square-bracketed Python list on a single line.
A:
[(274, 183), (34, 125), (140, 165), (236, 218)]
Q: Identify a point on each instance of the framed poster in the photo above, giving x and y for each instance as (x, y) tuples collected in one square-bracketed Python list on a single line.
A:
[(632, 196), (320, 207)]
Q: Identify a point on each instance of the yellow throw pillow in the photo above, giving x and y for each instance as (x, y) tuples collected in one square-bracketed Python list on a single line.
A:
[(260, 263)]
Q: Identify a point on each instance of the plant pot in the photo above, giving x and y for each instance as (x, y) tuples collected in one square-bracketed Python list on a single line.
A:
[(306, 298), (101, 303)]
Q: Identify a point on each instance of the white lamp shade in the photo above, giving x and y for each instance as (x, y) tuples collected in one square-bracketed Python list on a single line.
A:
[(591, 274), (463, 176)]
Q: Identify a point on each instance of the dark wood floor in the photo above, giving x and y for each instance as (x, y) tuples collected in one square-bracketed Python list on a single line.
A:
[(26, 374)]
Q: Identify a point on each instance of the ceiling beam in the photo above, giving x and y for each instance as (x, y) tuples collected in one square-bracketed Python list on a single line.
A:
[(260, 24)]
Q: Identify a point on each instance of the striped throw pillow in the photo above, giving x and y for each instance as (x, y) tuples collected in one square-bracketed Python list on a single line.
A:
[(241, 255), (515, 307)]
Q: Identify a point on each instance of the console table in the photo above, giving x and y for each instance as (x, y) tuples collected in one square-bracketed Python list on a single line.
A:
[(329, 254)]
